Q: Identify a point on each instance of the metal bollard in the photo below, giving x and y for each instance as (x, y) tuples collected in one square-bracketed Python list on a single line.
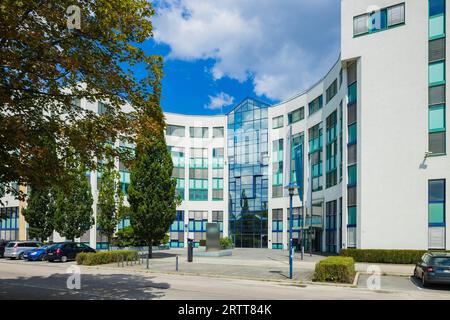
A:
[(176, 263), (122, 260), (126, 259)]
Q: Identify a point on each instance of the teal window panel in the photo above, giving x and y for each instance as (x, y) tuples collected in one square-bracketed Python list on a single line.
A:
[(436, 118), (352, 133), (352, 93), (436, 213), (437, 26), (351, 216), (436, 73), (352, 175)]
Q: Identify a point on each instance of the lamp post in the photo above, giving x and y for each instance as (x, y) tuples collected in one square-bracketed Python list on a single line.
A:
[(291, 189)]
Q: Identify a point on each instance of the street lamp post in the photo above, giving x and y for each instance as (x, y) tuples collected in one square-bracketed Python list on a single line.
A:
[(291, 189)]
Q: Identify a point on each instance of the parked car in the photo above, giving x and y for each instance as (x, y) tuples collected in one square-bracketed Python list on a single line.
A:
[(3, 244), (37, 254), (66, 251), (433, 268), (16, 249)]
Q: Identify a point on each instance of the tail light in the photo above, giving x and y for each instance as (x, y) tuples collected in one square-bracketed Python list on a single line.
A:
[(58, 251), (430, 269)]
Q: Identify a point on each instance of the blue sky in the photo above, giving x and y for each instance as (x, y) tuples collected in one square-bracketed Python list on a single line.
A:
[(218, 52)]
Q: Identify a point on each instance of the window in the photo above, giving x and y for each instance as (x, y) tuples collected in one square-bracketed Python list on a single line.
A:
[(331, 91), (315, 105), (296, 115), (436, 202), (436, 142), (277, 168), (352, 133), (277, 229), (198, 174), (436, 116), (436, 50), (436, 7), (436, 95), (218, 132), (352, 175), (176, 131), (277, 122), (101, 108), (351, 216), (352, 93), (360, 25), (396, 15), (378, 20), (437, 27), (198, 132), (436, 73)]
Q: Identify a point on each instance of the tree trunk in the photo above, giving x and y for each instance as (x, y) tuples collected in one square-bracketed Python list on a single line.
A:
[(150, 253)]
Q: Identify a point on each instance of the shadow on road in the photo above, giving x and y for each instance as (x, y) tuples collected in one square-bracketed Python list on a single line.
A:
[(93, 287), (441, 287)]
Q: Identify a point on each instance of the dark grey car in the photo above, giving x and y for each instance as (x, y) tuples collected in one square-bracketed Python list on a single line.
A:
[(433, 268)]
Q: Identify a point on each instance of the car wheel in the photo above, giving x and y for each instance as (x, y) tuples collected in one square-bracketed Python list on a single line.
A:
[(20, 256), (42, 257), (64, 259)]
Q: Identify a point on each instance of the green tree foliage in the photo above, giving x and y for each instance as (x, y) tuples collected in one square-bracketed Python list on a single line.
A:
[(126, 237), (108, 206), (47, 67), (74, 215), (152, 191), (40, 213)]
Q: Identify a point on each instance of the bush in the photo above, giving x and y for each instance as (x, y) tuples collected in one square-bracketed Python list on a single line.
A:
[(384, 256), (105, 257), (226, 243), (335, 269)]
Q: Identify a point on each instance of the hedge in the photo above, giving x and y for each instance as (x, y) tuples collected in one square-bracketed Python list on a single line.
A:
[(335, 269), (384, 256), (105, 257)]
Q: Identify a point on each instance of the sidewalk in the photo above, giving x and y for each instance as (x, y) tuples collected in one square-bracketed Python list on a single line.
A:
[(256, 264)]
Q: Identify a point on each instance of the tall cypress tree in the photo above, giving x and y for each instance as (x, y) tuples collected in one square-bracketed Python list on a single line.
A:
[(74, 216), (40, 213), (108, 214), (152, 191)]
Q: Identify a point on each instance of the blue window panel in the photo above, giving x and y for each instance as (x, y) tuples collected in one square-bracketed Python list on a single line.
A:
[(436, 191), (437, 27), (436, 73), (436, 7), (378, 21), (436, 118)]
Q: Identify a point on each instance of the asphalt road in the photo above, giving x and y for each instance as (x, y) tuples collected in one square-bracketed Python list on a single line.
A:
[(43, 280)]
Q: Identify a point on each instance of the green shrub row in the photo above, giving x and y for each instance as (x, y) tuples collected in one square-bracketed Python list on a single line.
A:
[(384, 256), (335, 269), (105, 257)]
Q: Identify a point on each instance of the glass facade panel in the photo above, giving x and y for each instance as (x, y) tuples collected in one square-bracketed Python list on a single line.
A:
[(437, 27), (248, 152), (436, 118), (436, 73)]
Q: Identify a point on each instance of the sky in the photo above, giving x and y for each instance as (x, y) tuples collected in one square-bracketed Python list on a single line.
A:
[(219, 52)]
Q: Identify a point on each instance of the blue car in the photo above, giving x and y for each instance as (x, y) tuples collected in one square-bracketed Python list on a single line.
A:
[(38, 254)]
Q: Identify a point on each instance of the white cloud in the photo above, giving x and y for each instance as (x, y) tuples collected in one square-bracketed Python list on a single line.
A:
[(219, 101), (283, 46)]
